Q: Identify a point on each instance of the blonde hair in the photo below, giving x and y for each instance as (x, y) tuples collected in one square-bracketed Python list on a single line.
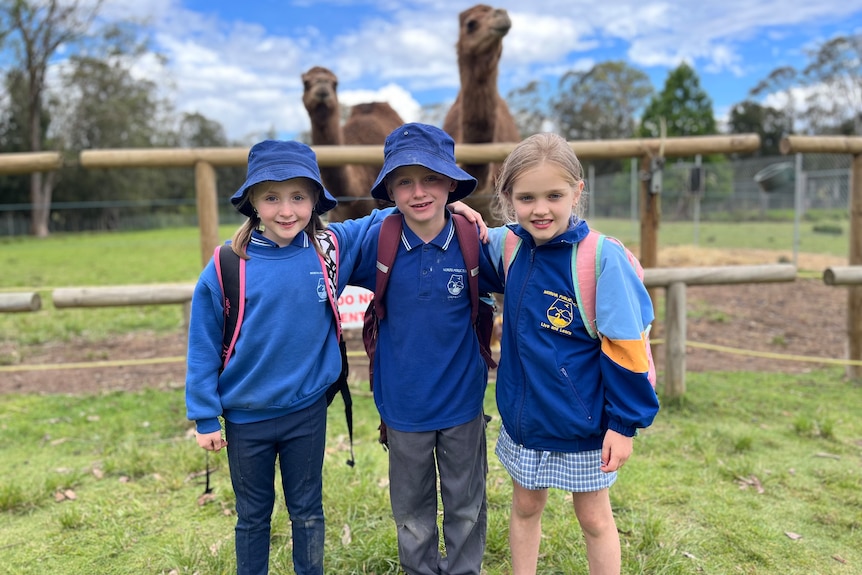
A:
[(242, 235), (531, 152)]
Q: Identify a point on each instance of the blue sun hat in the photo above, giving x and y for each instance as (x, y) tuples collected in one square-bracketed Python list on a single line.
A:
[(277, 161), (422, 145)]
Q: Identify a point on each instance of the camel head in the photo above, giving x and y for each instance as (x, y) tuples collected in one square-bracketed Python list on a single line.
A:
[(482, 29), (319, 91)]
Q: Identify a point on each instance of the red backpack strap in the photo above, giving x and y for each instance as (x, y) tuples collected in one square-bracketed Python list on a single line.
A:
[(230, 269), (468, 238), (387, 247)]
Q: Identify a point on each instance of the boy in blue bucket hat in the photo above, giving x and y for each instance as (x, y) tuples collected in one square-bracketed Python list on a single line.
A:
[(270, 392), (429, 377)]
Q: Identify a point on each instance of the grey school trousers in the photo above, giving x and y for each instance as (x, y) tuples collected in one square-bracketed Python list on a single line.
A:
[(459, 454)]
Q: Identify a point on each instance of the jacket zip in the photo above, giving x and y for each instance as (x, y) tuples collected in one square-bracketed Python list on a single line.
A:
[(521, 361)]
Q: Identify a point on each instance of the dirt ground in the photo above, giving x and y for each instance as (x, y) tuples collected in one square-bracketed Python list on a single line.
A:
[(798, 320)]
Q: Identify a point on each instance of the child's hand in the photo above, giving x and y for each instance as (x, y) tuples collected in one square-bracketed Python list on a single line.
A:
[(616, 449), (472, 216), (211, 441)]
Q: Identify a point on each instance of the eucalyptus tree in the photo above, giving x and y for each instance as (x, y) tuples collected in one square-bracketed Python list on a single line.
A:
[(36, 30), (823, 96), (602, 103)]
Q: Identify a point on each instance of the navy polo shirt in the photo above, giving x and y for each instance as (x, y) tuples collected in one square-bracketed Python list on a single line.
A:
[(428, 373)]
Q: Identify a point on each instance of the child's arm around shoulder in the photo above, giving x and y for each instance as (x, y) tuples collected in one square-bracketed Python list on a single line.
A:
[(353, 231), (472, 216)]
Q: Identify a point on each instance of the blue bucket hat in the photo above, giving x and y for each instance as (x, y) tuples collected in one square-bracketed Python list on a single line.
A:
[(422, 145), (277, 161)]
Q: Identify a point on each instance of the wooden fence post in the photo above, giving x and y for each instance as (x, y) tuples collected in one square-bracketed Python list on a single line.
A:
[(207, 203), (854, 293), (675, 334)]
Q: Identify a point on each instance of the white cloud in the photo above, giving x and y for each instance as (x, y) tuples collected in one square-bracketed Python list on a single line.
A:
[(248, 78), (399, 98)]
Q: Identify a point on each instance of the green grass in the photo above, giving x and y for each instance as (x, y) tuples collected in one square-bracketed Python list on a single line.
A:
[(719, 484), (96, 259), (715, 486)]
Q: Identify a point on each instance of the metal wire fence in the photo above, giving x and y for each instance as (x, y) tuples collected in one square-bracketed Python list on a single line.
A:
[(752, 189)]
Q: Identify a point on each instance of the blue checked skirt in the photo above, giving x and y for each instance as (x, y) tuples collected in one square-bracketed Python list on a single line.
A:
[(574, 472)]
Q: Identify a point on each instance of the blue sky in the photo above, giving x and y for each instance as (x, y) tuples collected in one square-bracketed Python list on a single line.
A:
[(240, 62)]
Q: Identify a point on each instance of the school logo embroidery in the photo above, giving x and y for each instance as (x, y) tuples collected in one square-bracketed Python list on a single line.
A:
[(456, 284), (321, 289), (560, 313)]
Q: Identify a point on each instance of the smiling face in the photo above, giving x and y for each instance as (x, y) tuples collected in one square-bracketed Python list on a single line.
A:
[(421, 195), (543, 200), (285, 208)]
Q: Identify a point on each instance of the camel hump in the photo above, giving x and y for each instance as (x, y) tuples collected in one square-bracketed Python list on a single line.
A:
[(372, 108), (370, 123)]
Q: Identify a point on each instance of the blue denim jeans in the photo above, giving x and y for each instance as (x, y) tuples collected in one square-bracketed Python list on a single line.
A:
[(297, 442)]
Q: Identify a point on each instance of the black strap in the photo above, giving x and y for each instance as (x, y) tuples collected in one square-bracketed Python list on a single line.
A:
[(229, 270)]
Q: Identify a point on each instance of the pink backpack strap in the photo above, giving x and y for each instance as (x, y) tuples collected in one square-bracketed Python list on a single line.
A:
[(586, 266), (230, 270), (586, 263), (329, 263), (511, 243)]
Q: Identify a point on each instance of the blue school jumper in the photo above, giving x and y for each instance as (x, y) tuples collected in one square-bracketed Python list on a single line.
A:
[(287, 353), (428, 373)]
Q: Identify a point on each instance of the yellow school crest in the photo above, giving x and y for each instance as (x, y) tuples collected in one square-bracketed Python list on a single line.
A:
[(560, 313)]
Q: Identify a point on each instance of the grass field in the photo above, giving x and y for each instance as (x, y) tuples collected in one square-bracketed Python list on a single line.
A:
[(751, 473)]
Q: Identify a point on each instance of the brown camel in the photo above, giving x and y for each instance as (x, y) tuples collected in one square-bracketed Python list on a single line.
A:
[(479, 114), (368, 124)]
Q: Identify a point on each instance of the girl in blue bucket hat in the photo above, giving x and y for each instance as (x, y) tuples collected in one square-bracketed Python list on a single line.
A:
[(271, 392)]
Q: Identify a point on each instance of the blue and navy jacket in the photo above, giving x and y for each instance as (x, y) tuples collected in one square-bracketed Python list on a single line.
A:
[(558, 389)]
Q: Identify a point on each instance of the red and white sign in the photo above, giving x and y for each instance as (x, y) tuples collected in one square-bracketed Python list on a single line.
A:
[(352, 304)]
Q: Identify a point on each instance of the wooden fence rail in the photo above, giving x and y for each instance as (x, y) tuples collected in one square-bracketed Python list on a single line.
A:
[(843, 276), (674, 280), (20, 301)]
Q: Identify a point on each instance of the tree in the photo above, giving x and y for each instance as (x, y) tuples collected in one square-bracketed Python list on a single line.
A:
[(198, 131), (825, 96), (105, 107), (530, 108), (601, 103), (38, 28), (769, 123), (683, 105), (15, 188)]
